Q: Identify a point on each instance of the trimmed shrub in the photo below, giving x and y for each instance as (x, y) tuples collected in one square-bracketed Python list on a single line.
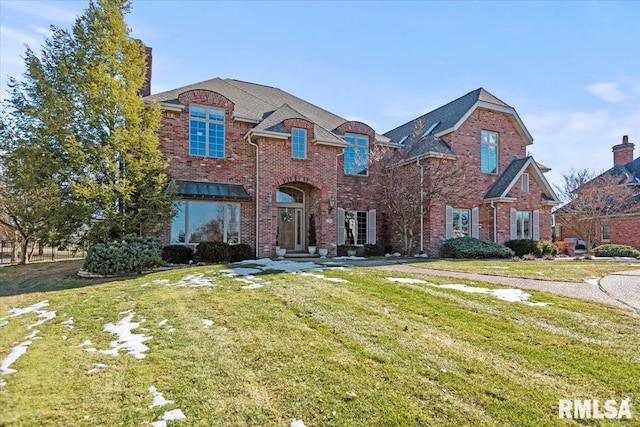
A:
[(616, 250), (342, 249), (374, 250), (547, 248), (469, 247), (240, 252), (132, 254), (214, 252), (177, 254), (524, 247)]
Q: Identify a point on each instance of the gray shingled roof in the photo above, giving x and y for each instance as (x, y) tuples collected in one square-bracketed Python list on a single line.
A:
[(446, 116), (506, 180), (501, 186), (258, 102)]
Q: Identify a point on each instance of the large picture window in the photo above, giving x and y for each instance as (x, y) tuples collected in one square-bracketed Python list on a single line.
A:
[(488, 152), (206, 131), (356, 154), (199, 221)]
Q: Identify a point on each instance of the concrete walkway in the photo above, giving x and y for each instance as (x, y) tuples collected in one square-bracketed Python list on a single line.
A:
[(620, 290)]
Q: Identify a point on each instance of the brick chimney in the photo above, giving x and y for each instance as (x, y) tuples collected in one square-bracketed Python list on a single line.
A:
[(146, 88), (623, 153)]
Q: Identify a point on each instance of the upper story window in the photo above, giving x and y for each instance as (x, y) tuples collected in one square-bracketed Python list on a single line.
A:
[(356, 154), (298, 143), (206, 131), (488, 152), (525, 182)]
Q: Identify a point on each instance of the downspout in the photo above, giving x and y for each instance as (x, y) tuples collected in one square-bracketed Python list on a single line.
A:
[(335, 214), (495, 223), (421, 205), (257, 191)]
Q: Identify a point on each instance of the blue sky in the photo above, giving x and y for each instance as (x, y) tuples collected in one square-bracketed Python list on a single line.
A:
[(571, 69)]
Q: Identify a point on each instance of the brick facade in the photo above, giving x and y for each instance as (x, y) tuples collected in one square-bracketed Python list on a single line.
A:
[(260, 159)]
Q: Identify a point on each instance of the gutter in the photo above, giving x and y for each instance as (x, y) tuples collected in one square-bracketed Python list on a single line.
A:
[(248, 138), (421, 205)]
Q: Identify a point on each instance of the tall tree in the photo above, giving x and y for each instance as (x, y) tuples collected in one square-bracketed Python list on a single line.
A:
[(590, 199), (80, 104), (409, 186)]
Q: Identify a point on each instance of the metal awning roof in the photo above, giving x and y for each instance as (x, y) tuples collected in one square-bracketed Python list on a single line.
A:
[(212, 190)]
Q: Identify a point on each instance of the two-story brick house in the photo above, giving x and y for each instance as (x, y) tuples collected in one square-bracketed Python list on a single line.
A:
[(506, 194), (252, 163)]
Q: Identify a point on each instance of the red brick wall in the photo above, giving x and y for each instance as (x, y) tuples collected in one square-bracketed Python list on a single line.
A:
[(626, 232), (238, 166)]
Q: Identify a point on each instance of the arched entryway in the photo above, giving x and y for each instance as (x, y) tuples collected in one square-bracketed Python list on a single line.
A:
[(290, 204)]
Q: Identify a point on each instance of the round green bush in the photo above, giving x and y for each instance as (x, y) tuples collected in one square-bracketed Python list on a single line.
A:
[(548, 248), (177, 254), (214, 252), (374, 250), (240, 252), (469, 247), (524, 247), (132, 254), (616, 250)]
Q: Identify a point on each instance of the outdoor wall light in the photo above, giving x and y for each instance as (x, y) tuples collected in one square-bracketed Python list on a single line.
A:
[(332, 203), (269, 200)]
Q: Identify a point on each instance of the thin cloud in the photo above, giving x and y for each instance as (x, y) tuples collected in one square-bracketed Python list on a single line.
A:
[(607, 91), (45, 10), (23, 38)]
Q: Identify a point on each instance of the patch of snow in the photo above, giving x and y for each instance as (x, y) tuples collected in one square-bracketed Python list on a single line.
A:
[(132, 343), (404, 280), (2, 382), (68, 323), (15, 354), (5, 323), (239, 271), (593, 280), (323, 277), (32, 335), (207, 322), (64, 338), (161, 281), (86, 417), (126, 312), (352, 258), (496, 267), (98, 367), (91, 350), (84, 343), (173, 415), (172, 329), (163, 322), (252, 286), (421, 256), (297, 423), (509, 295), (37, 309), (158, 399), (195, 281)]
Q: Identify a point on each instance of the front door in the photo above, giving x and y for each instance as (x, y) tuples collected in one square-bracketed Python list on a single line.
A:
[(290, 228)]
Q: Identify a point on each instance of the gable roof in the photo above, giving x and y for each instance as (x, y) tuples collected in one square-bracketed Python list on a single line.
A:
[(508, 178), (255, 103), (447, 119)]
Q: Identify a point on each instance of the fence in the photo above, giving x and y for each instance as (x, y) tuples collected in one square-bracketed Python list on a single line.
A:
[(10, 252)]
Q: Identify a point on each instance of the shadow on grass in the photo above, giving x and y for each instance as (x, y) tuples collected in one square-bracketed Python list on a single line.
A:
[(45, 277)]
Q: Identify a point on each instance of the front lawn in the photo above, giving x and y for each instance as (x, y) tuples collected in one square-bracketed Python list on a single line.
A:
[(345, 347), (564, 270)]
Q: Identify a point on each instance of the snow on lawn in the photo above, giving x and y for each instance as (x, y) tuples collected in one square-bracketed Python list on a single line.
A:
[(510, 295), (22, 348), (207, 322), (323, 277), (98, 367), (132, 343), (68, 323), (297, 423), (15, 354), (173, 415), (158, 399), (352, 258)]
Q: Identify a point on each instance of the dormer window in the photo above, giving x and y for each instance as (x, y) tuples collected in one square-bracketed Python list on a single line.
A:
[(356, 154), (298, 143), (488, 152), (206, 131)]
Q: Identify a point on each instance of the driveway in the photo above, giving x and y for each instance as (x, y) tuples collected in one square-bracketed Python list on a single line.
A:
[(621, 289)]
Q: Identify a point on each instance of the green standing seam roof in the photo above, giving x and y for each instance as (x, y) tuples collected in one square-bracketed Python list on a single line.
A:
[(212, 190)]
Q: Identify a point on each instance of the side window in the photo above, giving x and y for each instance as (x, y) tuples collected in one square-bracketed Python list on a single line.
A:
[(298, 143), (488, 152)]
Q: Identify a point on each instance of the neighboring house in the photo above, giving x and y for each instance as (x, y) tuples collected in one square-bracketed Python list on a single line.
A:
[(505, 195), (253, 162), (624, 228)]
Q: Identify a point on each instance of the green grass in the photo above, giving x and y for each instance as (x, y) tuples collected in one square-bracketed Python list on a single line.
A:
[(560, 270), (368, 352)]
